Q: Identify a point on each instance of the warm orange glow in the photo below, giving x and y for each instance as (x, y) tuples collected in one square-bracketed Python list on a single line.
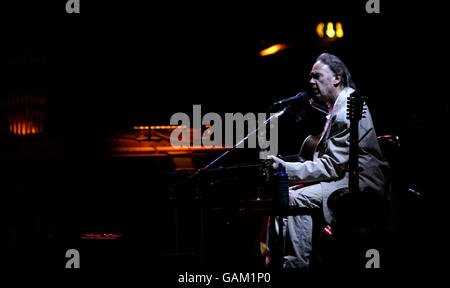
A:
[(157, 127), (164, 150), (26, 113), (188, 148), (339, 30), (24, 128), (161, 127), (319, 29), (330, 30), (273, 49)]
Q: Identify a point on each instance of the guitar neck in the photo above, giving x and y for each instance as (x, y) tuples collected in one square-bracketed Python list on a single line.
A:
[(354, 157), (354, 114)]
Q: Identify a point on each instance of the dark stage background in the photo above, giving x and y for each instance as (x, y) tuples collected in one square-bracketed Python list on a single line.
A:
[(119, 64)]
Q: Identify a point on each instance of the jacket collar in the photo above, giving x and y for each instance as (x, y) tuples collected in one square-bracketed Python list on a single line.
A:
[(341, 100)]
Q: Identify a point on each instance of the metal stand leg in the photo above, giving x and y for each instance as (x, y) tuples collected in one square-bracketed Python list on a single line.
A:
[(277, 244), (280, 246)]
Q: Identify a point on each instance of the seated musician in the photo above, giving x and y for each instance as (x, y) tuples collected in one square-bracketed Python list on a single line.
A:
[(327, 172)]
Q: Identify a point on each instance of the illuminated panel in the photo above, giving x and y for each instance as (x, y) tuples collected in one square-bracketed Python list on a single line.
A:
[(26, 99), (26, 112)]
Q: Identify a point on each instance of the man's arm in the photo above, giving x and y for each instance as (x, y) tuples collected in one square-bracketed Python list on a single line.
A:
[(331, 165)]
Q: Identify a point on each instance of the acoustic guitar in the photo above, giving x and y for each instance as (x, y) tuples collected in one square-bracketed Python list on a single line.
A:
[(309, 146), (306, 150)]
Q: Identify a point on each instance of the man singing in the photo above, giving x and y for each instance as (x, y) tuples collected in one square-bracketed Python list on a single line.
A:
[(328, 171)]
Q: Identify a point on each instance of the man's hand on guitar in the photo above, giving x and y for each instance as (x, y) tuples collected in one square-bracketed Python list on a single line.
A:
[(276, 161)]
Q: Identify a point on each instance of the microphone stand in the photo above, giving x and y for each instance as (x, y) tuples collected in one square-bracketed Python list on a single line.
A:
[(274, 116)]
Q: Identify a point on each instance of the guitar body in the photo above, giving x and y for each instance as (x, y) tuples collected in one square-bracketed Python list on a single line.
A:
[(306, 151), (309, 146)]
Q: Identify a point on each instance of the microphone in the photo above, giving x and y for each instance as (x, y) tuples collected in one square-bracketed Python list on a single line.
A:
[(300, 96)]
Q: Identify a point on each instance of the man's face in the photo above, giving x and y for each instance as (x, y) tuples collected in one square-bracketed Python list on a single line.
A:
[(323, 82)]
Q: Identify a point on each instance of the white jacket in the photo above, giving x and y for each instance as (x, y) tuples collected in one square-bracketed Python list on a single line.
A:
[(330, 163)]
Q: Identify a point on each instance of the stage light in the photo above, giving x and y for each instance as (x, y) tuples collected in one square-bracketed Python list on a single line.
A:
[(330, 30), (339, 30), (319, 29), (273, 49)]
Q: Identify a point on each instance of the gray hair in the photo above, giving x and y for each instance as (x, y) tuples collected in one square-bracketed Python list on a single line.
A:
[(338, 67)]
